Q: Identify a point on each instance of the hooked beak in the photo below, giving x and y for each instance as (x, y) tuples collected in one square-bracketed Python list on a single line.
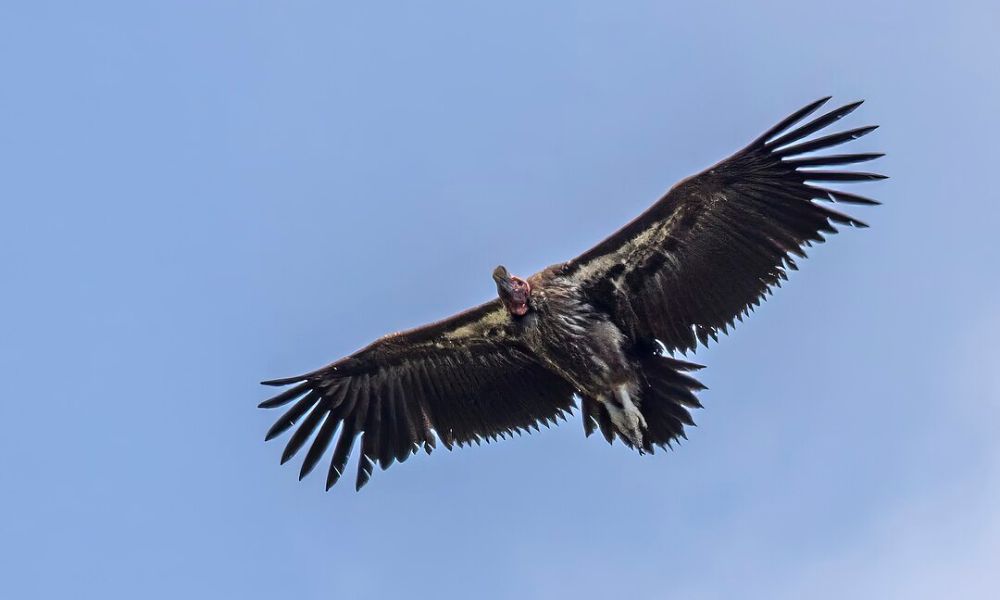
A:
[(504, 282), (513, 291)]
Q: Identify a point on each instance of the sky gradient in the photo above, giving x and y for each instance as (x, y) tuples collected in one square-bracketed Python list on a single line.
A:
[(200, 195)]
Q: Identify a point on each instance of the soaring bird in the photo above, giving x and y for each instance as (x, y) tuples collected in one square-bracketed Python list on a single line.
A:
[(601, 327)]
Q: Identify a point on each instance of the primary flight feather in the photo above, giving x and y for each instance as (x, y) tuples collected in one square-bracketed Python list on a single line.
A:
[(593, 327)]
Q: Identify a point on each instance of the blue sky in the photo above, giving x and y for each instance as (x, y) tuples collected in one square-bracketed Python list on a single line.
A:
[(200, 195)]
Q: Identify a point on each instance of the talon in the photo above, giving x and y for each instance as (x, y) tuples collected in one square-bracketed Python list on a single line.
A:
[(626, 416)]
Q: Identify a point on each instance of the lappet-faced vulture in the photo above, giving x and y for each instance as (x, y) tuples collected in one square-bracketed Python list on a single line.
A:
[(594, 327)]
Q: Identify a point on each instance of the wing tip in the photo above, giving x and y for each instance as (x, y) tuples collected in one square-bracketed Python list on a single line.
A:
[(284, 381), (790, 120), (817, 103)]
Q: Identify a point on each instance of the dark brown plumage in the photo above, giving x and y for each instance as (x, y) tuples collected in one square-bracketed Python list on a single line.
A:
[(702, 256)]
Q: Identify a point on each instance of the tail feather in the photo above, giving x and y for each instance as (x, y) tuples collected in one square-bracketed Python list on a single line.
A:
[(665, 399), (595, 412)]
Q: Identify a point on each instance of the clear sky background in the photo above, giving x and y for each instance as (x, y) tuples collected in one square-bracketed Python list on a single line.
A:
[(199, 195)]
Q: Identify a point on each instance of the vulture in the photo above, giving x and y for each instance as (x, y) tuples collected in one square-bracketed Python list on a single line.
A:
[(603, 328)]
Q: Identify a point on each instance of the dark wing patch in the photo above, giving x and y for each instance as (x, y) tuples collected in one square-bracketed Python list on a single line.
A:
[(711, 248), (461, 380)]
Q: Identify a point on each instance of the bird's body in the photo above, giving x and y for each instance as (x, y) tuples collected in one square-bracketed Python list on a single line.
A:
[(594, 327), (583, 345), (572, 337)]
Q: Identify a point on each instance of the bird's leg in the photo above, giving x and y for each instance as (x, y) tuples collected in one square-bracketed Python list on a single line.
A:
[(625, 415)]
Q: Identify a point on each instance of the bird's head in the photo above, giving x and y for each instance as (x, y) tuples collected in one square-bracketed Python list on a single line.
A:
[(514, 292)]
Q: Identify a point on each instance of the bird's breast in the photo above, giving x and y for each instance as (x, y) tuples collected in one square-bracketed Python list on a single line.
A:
[(580, 343)]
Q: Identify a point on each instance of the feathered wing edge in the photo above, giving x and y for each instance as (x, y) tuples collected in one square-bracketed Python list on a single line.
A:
[(709, 251), (449, 381)]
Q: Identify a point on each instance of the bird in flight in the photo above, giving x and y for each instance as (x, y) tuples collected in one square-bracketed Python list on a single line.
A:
[(594, 327)]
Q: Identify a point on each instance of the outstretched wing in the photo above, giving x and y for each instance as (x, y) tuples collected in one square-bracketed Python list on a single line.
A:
[(709, 250), (465, 378)]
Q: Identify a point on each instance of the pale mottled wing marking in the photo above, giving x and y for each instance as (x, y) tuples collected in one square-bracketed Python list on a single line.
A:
[(711, 248), (462, 379)]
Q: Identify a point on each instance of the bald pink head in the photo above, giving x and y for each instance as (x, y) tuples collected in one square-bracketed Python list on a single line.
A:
[(514, 292)]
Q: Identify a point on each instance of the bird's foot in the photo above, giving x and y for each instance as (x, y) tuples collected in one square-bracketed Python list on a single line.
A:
[(626, 416)]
